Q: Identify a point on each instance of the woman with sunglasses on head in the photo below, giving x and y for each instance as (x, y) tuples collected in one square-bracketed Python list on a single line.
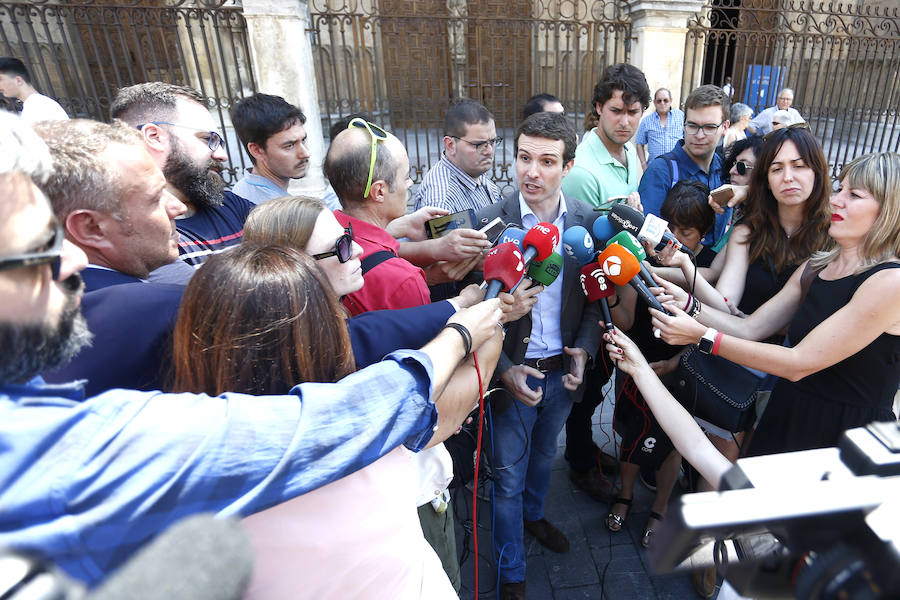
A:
[(260, 319), (841, 366)]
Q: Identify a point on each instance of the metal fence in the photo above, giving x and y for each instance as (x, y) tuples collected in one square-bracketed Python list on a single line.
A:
[(82, 51), (402, 62), (842, 60)]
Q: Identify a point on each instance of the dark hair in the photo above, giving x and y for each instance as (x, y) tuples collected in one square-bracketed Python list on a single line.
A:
[(686, 206), (260, 116), (152, 101), (344, 122), (708, 95), (538, 103), (259, 319), (753, 142), (552, 126), (14, 67), (626, 78), (766, 235), (462, 113), (347, 165)]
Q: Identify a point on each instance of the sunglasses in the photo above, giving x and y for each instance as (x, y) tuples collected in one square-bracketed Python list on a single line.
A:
[(742, 168), (214, 141), (343, 247), (51, 254), (378, 135), (800, 125), (479, 146)]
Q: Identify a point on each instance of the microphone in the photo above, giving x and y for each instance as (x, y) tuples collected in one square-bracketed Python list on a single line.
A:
[(621, 266), (540, 241), (630, 243), (603, 230), (652, 229), (512, 234), (578, 244), (546, 271), (597, 288), (503, 269)]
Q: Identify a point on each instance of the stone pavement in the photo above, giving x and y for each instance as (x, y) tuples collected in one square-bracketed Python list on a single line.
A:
[(600, 564)]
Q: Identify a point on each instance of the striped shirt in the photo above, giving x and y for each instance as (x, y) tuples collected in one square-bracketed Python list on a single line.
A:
[(211, 230), (660, 139), (447, 186)]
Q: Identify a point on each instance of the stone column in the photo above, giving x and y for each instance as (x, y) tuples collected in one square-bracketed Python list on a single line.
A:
[(658, 30), (281, 55)]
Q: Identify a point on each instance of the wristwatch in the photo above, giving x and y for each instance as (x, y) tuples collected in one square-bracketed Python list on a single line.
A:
[(705, 345)]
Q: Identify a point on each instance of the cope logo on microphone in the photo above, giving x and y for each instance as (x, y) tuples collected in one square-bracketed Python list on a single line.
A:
[(601, 280), (612, 266)]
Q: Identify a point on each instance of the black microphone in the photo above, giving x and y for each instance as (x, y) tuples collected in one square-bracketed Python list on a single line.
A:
[(625, 218)]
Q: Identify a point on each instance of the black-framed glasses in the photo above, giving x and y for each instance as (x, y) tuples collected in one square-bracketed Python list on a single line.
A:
[(742, 168), (708, 129), (479, 146), (343, 247), (214, 141), (51, 254), (378, 135), (798, 125)]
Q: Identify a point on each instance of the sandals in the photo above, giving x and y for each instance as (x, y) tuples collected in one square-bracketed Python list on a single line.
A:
[(648, 531), (614, 522)]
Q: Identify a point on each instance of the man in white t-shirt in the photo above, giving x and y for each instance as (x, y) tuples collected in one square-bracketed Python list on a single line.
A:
[(15, 82)]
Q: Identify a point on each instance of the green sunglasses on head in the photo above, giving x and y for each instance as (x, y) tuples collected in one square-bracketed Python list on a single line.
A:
[(378, 135)]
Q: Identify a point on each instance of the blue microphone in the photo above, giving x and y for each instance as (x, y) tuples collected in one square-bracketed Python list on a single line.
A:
[(603, 230), (578, 244), (512, 234)]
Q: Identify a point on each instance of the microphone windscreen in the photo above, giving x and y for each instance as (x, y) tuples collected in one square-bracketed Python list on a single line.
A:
[(514, 235), (578, 244), (619, 264), (543, 237), (504, 263), (624, 218), (631, 243), (603, 230), (199, 558), (546, 271), (594, 283)]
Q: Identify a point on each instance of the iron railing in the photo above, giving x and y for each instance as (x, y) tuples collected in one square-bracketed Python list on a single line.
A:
[(842, 59), (82, 51)]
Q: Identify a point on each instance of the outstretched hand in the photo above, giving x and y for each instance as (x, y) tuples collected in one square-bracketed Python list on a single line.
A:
[(624, 352)]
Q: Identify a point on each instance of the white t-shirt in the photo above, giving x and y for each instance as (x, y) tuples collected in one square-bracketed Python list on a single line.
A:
[(38, 107)]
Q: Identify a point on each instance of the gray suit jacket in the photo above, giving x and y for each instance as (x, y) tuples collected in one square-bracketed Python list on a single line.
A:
[(579, 320)]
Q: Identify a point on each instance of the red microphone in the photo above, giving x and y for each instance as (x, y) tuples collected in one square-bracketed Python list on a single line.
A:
[(540, 242), (597, 287), (621, 266), (503, 268)]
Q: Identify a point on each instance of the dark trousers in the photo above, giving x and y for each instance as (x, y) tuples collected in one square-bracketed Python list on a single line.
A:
[(580, 449)]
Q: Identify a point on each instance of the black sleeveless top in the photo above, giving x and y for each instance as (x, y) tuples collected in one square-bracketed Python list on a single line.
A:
[(761, 284), (813, 412)]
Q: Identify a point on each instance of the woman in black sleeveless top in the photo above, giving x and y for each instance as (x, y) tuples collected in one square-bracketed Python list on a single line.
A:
[(842, 367)]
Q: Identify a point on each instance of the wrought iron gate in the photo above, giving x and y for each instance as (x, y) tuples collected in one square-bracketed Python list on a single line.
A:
[(841, 59), (401, 62), (82, 51)]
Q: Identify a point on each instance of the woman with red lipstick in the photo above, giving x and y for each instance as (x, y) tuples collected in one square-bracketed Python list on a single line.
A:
[(841, 366)]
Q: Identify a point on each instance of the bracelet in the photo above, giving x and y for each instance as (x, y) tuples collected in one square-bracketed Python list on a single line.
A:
[(696, 308), (715, 348), (466, 335), (688, 306)]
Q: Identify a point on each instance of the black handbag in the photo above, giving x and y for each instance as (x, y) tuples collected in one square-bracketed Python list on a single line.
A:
[(716, 390)]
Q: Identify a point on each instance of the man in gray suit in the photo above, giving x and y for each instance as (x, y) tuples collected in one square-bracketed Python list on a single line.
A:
[(544, 355)]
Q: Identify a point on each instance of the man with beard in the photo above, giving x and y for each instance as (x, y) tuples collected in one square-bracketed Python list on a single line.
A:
[(112, 201), (272, 133), (181, 137), (694, 158), (87, 481)]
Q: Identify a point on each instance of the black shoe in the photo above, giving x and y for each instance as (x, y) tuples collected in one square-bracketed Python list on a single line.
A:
[(594, 483), (549, 536), (512, 591)]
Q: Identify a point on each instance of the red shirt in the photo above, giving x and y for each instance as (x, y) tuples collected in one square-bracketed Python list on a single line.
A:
[(395, 283)]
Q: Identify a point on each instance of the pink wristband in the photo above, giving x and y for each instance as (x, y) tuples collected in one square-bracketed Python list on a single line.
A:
[(715, 348)]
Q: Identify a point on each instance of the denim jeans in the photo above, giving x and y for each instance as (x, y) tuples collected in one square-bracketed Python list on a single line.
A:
[(524, 439)]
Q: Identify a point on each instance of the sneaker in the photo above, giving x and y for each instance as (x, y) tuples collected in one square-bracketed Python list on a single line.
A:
[(594, 483), (549, 536)]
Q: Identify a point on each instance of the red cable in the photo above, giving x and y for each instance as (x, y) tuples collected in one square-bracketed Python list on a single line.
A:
[(477, 461)]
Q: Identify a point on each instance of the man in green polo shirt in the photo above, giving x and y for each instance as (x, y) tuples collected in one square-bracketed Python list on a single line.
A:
[(606, 167), (606, 162)]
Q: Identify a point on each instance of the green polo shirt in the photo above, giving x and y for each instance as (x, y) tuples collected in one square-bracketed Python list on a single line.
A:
[(596, 175)]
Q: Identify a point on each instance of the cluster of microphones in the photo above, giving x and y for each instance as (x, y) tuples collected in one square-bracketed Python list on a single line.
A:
[(612, 254)]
